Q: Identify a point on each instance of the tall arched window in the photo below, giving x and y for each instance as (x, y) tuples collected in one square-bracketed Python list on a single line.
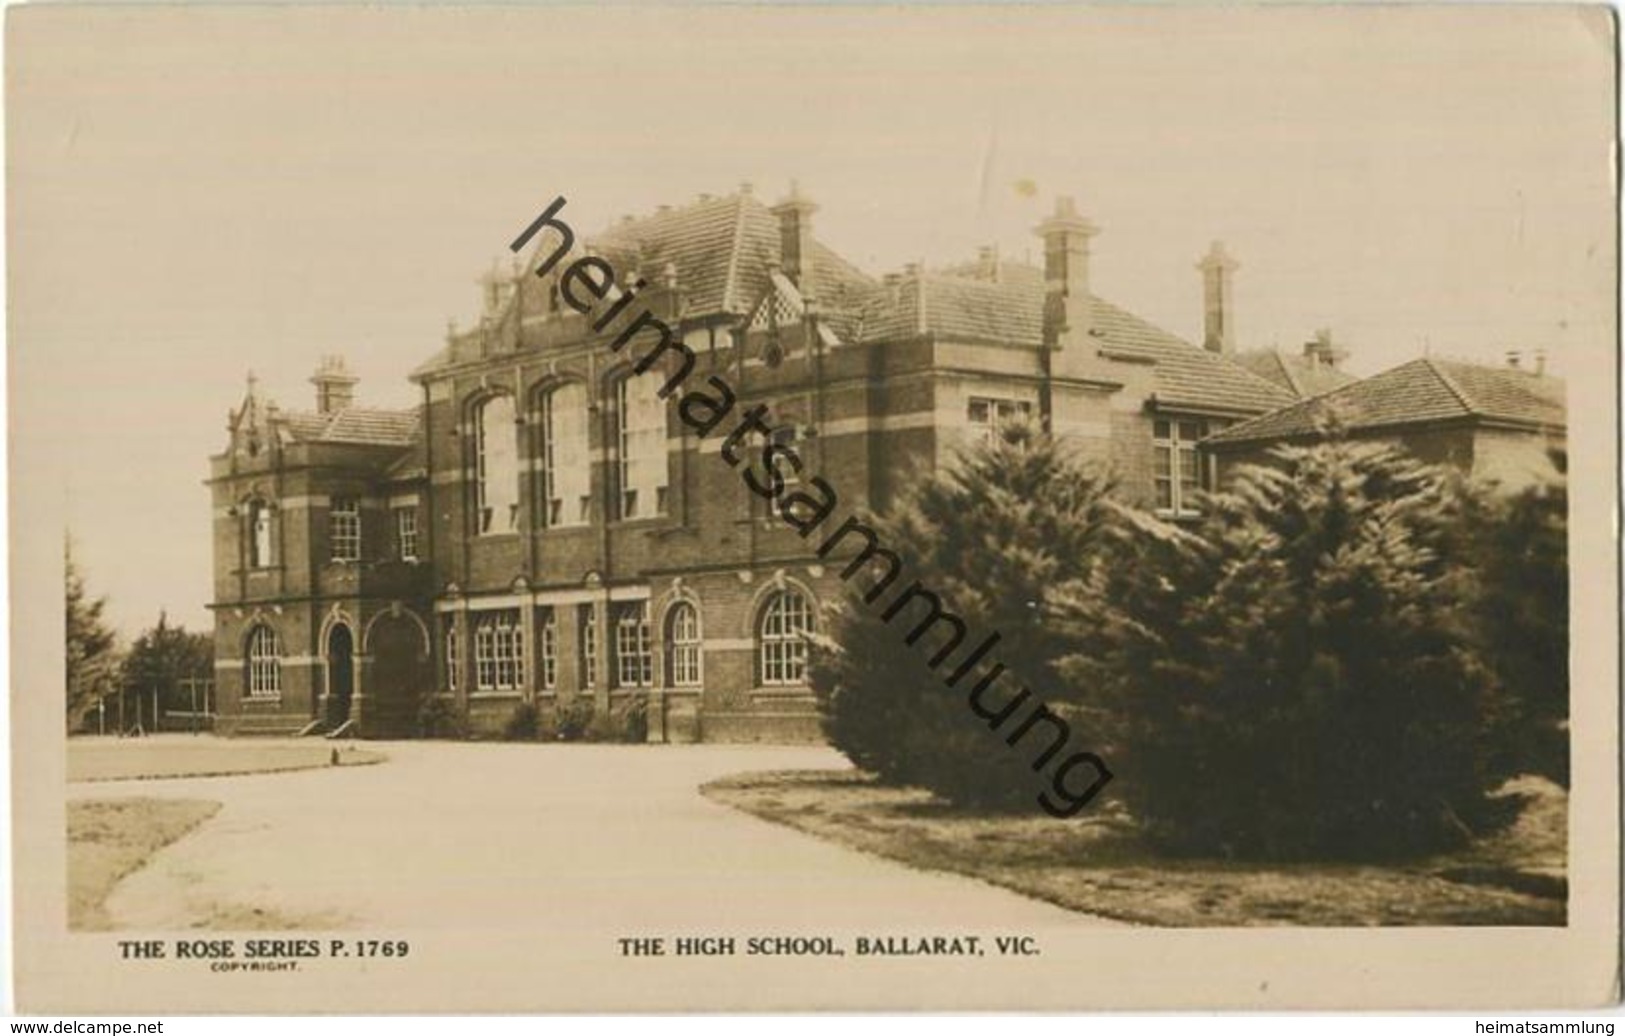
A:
[(683, 645), (566, 461), (259, 534), (496, 466), (640, 446), (264, 663), (782, 650)]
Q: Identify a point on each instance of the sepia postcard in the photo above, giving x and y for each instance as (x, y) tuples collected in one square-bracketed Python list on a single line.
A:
[(542, 508)]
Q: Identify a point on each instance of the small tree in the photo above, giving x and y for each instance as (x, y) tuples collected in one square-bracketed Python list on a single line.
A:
[(92, 658), (164, 656), (1297, 680), (1004, 536)]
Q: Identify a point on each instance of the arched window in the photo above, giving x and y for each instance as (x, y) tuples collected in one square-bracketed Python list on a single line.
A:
[(496, 466), (683, 645), (782, 647), (259, 535), (566, 461), (264, 663), (640, 446)]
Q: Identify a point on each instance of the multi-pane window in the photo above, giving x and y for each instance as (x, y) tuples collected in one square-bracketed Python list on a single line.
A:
[(987, 416), (264, 663), (683, 645), (1178, 473), (259, 534), (640, 447), (344, 529), (453, 657), (634, 657), (496, 466), (498, 651), (547, 650), (406, 533), (565, 459), (587, 623), (786, 619)]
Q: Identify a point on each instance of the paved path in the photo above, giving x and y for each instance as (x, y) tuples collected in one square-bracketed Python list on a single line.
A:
[(573, 839)]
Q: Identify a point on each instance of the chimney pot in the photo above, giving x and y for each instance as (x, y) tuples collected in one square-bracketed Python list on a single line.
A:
[(1514, 359)]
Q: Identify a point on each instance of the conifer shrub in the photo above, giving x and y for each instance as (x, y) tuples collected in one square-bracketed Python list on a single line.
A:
[(1009, 538), (1297, 677), (1521, 543)]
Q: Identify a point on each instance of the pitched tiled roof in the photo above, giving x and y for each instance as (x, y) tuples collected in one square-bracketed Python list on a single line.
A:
[(354, 425), (1419, 391), (1295, 373), (1011, 310), (721, 248)]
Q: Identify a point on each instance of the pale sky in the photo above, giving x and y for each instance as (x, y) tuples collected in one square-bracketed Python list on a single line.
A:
[(193, 194)]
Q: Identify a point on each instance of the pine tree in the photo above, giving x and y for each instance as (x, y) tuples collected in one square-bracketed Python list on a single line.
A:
[(1008, 536), (1298, 679), (92, 661)]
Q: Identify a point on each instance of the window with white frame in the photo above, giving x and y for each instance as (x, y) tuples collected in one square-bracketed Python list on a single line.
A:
[(264, 663), (344, 529), (547, 649), (1178, 472), (406, 533), (453, 657), (988, 415), (496, 466), (499, 651), (259, 534), (683, 645), (786, 619), (566, 461), (641, 446), (634, 656), (587, 623)]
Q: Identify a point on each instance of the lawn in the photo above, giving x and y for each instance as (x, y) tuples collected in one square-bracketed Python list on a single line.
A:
[(108, 839), (1097, 864), (113, 759)]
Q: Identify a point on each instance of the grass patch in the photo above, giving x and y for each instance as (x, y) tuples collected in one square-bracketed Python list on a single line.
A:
[(1099, 865), (103, 759), (108, 839)]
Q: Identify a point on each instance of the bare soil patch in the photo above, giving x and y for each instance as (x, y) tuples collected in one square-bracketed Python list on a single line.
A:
[(1098, 864), (108, 839)]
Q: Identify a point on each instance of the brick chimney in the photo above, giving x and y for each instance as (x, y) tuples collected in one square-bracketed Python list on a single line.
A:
[(1218, 314), (1320, 351), (795, 237), (335, 385), (1066, 275)]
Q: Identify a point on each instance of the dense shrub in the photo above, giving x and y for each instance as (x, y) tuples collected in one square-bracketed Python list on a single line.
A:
[(1297, 679), (1521, 543), (573, 718), (439, 716), (523, 723), (1009, 538)]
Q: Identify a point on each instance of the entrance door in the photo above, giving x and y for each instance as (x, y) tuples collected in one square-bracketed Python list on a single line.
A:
[(340, 674)]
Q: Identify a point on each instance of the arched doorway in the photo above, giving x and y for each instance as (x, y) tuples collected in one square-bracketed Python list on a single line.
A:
[(340, 674)]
